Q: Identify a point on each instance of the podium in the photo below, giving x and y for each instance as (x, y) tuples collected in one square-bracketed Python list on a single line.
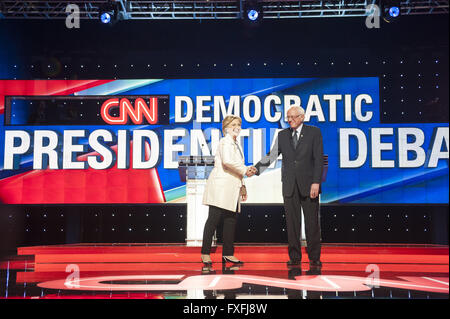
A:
[(195, 170)]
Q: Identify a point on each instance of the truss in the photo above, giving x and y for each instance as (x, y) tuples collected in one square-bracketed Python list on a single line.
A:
[(210, 9)]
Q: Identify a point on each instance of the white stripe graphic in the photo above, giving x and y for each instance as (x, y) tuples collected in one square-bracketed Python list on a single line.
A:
[(332, 284), (214, 282), (441, 282)]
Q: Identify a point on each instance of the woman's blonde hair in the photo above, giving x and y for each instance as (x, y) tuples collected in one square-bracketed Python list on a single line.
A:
[(227, 120)]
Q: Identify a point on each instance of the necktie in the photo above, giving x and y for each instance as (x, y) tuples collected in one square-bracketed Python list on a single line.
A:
[(295, 138)]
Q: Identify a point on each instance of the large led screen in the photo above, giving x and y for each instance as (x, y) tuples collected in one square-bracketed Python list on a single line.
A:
[(119, 141)]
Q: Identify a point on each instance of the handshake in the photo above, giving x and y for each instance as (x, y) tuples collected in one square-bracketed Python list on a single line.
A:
[(252, 170)]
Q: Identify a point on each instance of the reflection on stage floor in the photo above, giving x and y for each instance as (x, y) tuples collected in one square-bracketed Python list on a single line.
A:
[(170, 271)]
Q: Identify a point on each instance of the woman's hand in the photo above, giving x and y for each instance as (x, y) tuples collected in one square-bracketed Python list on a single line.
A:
[(251, 171), (243, 193)]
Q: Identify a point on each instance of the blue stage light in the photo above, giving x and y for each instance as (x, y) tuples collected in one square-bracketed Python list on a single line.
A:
[(394, 12), (253, 15), (252, 11), (105, 17)]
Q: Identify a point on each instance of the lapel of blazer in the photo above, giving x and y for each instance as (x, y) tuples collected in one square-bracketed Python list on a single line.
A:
[(241, 153), (239, 150), (301, 138)]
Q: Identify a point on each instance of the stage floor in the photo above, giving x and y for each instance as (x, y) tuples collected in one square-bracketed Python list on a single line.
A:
[(174, 271)]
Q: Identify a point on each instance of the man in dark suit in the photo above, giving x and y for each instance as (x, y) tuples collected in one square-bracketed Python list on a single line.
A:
[(302, 149)]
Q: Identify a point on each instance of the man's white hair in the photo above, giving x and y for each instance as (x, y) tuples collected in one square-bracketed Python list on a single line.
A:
[(298, 108)]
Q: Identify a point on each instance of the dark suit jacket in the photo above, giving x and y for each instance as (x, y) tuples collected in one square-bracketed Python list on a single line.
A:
[(303, 165)]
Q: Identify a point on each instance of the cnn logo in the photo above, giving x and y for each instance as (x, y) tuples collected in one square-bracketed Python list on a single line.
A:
[(136, 113)]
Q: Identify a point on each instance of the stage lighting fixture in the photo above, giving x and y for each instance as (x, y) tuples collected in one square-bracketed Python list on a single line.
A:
[(252, 10), (391, 10), (108, 12), (105, 17), (394, 11), (253, 15)]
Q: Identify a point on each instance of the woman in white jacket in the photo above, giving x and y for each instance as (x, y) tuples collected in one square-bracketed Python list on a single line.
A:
[(224, 190)]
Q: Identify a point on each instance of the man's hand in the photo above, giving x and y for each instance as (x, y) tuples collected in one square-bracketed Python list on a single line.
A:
[(251, 171), (314, 190)]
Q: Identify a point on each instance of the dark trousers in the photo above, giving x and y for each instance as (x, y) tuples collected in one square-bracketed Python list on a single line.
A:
[(292, 205), (229, 225)]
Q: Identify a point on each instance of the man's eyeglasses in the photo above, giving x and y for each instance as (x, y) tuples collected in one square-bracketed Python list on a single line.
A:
[(293, 117)]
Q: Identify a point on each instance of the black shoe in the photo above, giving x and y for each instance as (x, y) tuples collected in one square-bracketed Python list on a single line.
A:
[(315, 264), (231, 259), (294, 262), (206, 259)]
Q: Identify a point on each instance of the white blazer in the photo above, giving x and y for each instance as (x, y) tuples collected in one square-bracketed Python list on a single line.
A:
[(225, 181)]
